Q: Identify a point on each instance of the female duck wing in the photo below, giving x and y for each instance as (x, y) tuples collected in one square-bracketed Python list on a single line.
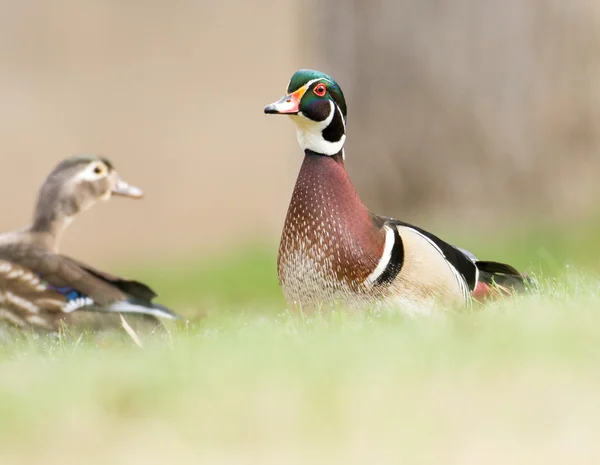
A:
[(79, 287), (138, 296), (60, 272), (131, 287)]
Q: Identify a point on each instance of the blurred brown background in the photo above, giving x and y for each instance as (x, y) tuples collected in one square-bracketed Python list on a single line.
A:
[(471, 110), (475, 109)]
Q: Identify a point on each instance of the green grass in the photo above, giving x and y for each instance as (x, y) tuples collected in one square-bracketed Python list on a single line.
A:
[(245, 381)]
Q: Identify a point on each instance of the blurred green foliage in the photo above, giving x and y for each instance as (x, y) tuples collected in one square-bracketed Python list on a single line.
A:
[(246, 381), (244, 279)]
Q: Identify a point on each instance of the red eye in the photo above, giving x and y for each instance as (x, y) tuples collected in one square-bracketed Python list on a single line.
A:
[(320, 90)]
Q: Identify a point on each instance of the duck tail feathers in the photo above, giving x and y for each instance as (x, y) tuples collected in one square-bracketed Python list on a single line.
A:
[(500, 279)]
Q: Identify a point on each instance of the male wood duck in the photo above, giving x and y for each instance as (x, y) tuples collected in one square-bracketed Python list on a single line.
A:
[(335, 251), (40, 287)]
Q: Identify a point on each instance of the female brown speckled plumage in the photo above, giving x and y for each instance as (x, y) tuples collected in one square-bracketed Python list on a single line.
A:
[(41, 288), (334, 251)]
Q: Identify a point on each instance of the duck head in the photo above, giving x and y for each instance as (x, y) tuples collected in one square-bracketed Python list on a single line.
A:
[(75, 185), (316, 104)]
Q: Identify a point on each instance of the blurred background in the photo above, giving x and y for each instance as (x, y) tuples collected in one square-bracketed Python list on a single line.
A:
[(475, 118)]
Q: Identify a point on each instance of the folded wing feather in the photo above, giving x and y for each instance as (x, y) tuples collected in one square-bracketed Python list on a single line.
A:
[(39, 287)]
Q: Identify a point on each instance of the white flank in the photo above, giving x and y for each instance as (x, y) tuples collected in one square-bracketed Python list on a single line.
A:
[(385, 258), (462, 283)]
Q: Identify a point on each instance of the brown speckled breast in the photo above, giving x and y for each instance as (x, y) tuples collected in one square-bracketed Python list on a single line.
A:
[(329, 244)]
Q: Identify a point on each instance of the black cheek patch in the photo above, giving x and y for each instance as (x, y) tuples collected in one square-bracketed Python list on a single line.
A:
[(318, 110), (335, 130)]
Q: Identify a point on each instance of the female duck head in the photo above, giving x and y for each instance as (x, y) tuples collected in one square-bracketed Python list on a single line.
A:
[(75, 185), (317, 106)]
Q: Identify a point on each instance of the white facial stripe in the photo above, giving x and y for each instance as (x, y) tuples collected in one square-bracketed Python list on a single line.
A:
[(385, 258), (312, 81), (309, 83), (310, 133), (291, 101)]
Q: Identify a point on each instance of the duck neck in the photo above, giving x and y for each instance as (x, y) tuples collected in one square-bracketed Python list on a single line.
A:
[(52, 216), (326, 213), (325, 137)]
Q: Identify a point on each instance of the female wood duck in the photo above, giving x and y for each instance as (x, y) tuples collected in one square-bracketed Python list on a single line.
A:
[(38, 286), (335, 251)]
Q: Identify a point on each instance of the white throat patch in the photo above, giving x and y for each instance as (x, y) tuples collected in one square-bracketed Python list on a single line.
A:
[(310, 133)]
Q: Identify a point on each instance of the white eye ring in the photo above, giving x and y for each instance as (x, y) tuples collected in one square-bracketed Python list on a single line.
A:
[(93, 172), (99, 169)]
